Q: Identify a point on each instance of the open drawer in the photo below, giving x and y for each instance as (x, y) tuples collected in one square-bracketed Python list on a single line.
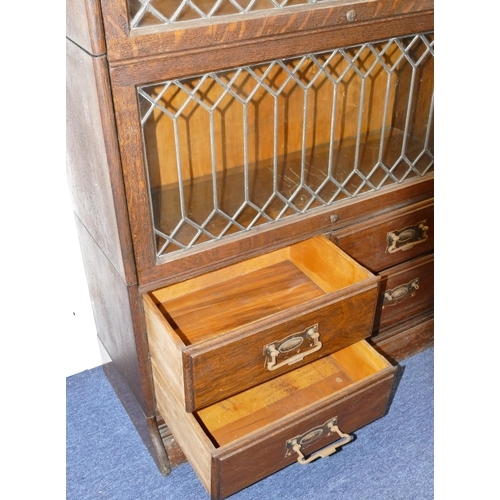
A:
[(299, 416), (225, 331)]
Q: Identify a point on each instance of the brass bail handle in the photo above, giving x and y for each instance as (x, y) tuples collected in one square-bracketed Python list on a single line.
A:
[(324, 452)]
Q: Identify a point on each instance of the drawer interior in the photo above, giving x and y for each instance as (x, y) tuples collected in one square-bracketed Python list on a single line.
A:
[(253, 409), (220, 301)]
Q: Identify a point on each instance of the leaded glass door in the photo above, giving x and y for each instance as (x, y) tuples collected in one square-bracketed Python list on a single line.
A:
[(231, 150), (243, 151)]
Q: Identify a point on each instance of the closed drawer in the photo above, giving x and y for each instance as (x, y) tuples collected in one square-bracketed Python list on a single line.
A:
[(405, 291), (390, 239), (299, 416), (249, 322)]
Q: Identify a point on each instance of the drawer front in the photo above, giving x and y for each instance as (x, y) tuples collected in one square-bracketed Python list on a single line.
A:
[(261, 457), (248, 361), (300, 416), (388, 240), (405, 290)]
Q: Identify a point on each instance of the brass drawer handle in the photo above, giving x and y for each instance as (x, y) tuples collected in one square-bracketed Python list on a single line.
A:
[(401, 292), (294, 445), (406, 238), (291, 348)]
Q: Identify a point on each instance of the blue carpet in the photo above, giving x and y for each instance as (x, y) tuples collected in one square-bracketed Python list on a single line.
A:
[(391, 459)]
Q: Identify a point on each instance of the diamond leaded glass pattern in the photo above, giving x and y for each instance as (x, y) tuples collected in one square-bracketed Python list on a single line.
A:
[(166, 12), (231, 150)]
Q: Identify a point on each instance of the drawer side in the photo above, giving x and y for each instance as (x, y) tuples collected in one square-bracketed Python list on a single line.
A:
[(196, 446), (164, 346)]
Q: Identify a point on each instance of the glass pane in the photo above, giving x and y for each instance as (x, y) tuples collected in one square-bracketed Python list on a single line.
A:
[(232, 150), (159, 12)]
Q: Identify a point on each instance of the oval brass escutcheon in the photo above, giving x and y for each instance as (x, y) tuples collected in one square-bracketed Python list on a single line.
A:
[(295, 444), (292, 349), (290, 344), (401, 292), (407, 237), (312, 436)]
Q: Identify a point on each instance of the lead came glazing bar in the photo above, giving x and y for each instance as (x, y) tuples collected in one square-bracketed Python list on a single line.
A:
[(229, 151), (429, 126), (384, 121)]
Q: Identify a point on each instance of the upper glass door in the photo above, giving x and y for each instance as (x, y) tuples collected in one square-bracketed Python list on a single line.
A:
[(137, 28)]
